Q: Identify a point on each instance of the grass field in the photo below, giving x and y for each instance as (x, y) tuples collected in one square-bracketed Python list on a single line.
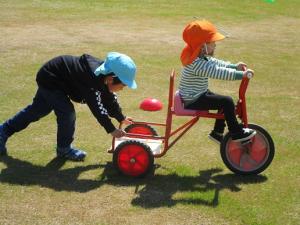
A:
[(191, 185)]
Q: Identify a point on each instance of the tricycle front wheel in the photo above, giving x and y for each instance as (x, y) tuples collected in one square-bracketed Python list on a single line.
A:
[(133, 158), (251, 158)]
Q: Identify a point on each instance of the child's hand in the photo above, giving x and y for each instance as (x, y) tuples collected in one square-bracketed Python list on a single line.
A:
[(127, 121), (248, 73), (117, 133), (240, 66)]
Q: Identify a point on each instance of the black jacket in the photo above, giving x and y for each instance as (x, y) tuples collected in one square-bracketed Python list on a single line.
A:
[(75, 76)]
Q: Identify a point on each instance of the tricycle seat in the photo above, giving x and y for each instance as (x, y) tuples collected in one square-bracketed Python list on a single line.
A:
[(179, 109)]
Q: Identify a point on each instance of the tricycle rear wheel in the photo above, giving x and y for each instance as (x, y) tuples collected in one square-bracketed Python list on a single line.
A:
[(144, 129), (251, 158), (133, 158)]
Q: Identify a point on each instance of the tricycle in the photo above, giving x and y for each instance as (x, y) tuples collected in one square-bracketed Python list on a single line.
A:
[(133, 154)]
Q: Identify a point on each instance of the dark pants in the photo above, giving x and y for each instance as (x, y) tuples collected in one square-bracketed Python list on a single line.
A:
[(210, 100), (43, 103)]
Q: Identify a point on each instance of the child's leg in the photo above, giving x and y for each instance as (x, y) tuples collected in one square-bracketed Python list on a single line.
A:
[(213, 101), (65, 115), (66, 118), (38, 109), (220, 125)]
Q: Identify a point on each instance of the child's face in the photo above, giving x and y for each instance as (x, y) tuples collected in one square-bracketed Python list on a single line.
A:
[(209, 49), (115, 87)]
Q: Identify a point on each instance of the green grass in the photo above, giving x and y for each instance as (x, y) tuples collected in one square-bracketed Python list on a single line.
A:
[(191, 184)]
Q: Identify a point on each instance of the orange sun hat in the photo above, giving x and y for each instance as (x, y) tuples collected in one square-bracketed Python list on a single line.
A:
[(195, 34)]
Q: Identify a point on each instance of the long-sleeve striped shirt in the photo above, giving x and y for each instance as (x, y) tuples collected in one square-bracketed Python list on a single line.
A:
[(194, 77)]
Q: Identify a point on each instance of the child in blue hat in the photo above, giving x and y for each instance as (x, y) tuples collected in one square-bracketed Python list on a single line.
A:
[(83, 79)]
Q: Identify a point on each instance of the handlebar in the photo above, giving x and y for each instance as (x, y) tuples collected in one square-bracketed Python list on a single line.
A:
[(244, 84), (241, 105), (249, 74)]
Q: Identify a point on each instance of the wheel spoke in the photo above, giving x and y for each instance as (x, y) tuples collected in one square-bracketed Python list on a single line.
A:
[(259, 143), (141, 165), (259, 149), (124, 160), (134, 150), (124, 157), (138, 154), (234, 153), (246, 159)]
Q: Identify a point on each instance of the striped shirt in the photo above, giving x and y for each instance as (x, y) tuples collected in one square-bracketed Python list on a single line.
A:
[(194, 77)]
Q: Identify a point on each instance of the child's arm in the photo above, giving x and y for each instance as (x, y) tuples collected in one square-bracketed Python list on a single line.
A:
[(213, 69), (96, 102), (238, 66), (223, 63), (114, 110)]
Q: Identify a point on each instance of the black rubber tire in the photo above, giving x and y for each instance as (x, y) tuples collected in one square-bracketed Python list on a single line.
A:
[(133, 161), (270, 152), (144, 129)]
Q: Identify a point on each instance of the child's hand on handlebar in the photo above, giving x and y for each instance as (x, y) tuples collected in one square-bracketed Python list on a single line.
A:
[(117, 133), (248, 73), (240, 66)]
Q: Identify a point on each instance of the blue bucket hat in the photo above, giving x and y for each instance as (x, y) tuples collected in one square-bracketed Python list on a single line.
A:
[(121, 65)]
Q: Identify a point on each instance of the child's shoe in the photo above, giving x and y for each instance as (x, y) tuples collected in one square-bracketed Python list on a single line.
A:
[(216, 137), (71, 153), (3, 139), (244, 136)]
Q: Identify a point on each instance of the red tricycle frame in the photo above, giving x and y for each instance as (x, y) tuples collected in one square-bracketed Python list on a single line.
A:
[(134, 157), (241, 112)]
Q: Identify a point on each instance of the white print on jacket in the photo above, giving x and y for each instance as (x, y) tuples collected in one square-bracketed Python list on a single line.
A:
[(100, 104)]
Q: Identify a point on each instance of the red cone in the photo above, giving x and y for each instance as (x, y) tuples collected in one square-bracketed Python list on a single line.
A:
[(151, 104)]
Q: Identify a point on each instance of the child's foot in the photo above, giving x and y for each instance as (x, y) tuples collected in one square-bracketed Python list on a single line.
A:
[(244, 136), (3, 139), (216, 137), (71, 153)]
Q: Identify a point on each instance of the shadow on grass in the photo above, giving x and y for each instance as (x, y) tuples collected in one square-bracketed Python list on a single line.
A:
[(25, 173), (160, 190), (151, 192)]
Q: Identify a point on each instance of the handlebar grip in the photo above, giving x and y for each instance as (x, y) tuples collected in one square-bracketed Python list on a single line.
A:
[(249, 75)]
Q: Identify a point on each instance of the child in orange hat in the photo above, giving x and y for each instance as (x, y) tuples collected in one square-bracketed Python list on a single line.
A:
[(199, 65)]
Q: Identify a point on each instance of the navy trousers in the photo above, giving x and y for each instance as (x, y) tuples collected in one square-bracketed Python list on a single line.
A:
[(210, 100), (43, 103)]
